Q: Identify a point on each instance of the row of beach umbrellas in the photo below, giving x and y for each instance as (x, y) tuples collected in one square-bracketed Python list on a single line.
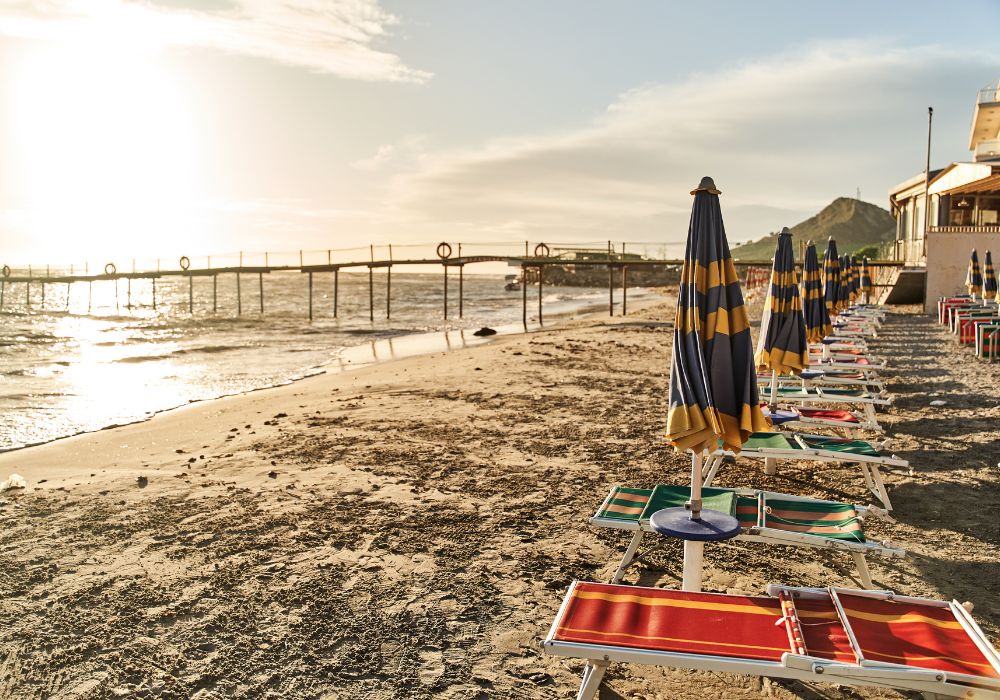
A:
[(714, 399), (978, 283)]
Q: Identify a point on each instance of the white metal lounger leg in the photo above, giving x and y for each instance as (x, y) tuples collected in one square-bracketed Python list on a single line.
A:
[(863, 573), (629, 555), (770, 465), (880, 491), (593, 673), (714, 462)]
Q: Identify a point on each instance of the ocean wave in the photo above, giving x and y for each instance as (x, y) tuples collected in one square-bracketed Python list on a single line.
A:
[(203, 350)]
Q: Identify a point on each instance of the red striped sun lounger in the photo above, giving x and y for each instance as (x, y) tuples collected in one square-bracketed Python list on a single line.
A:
[(834, 635)]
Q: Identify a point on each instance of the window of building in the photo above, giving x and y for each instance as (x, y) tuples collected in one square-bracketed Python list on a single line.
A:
[(988, 212), (963, 208)]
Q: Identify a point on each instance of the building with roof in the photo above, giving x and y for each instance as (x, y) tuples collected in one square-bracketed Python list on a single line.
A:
[(964, 209)]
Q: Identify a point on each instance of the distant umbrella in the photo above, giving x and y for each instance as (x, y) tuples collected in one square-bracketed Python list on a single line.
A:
[(781, 346), (974, 278), (866, 279), (844, 288), (989, 278), (817, 319), (855, 278), (831, 278)]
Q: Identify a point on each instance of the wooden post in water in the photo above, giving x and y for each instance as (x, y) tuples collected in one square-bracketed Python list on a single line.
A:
[(90, 294), (215, 293), (611, 284), (310, 296), (444, 266), (388, 284), (624, 290), (461, 275), (260, 288), (118, 309), (69, 287), (27, 294), (43, 294), (541, 269), (524, 296), (190, 293), (336, 289), (371, 285), (3, 288), (128, 293), (154, 293), (239, 296)]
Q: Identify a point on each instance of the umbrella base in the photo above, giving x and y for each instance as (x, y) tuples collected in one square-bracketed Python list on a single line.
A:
[(712, 526)]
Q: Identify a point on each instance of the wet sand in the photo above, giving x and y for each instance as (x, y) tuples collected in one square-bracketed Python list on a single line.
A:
[(407, 530)]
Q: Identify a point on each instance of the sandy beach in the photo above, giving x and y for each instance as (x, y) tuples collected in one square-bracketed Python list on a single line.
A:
[(407, 530)]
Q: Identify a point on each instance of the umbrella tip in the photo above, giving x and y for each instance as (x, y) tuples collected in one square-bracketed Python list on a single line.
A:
[(707, 184)]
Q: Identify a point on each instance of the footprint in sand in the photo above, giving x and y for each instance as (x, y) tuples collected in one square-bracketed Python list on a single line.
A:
[(431, 665)]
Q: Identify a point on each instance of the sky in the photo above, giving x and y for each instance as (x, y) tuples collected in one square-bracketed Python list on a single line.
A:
[(190, 127)]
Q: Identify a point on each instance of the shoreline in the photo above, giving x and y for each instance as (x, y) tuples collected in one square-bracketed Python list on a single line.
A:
[(366, 354)]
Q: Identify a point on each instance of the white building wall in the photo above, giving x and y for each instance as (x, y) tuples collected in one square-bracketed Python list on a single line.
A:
[(948, 261)]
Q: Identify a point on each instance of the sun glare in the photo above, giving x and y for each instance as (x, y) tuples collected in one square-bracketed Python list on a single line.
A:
[(107, 152)]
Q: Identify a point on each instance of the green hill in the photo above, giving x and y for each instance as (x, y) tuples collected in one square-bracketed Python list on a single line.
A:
[(852, 223)]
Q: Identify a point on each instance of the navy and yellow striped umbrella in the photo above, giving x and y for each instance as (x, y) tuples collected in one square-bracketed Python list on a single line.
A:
[(844, 288), (855, 278), (989, 278), (866, 279), (817, 319), (713, 384), (831, 277), (781, 346), (974, 278)]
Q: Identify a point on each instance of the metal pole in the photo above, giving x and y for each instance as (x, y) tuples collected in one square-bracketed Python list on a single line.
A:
[(694, 550), (310, 296), (260, 286), (190, 293), (239, 296), (927, 178), (541, 268), (624, 290), (336, 290)]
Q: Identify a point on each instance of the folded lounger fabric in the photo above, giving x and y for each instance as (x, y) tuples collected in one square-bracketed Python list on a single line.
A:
[(832, 635), (765, 516), (817, 448), (790, 415), (825, 377), (817, 361)]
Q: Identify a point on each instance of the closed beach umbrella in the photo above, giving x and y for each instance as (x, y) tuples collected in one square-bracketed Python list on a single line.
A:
[(831, 277), (816, 317), (855, 278), (866, 279), (713, 383), (844, 288), (989, 277), (781, 346), (974, 278)]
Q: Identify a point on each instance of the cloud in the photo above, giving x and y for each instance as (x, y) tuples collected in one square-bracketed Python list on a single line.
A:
[(782, 136), (338, 37)]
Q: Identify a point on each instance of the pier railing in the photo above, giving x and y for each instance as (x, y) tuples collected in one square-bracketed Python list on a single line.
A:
[(531, 258)]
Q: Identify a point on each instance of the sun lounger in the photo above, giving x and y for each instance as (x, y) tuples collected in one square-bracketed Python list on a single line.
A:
[(820, 377), (988, 340), (841, 419), (771, 518), (967, 326), (819, 397), (773, 447), (832, 635), (858, 362)]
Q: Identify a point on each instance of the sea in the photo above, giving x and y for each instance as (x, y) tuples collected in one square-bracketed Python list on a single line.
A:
[(88, 356)]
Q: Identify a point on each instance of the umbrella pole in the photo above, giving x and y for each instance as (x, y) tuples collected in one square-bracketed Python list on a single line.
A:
[(694, 550), (774, 389)]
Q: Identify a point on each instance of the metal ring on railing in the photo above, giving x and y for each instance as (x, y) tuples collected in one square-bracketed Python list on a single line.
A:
[(541, 251), (110, 269), (185, 262), (6, 270), (444, 250)]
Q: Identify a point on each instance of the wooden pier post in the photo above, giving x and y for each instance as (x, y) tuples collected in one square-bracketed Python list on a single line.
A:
[(611, 284), (154, 293), (541, 269), (239, 296), (624, 290), (190, 293), (3, 288), (445, 267), (43, 294), (310, 296), (371, 293), (118, 308), (128, 295), (90, 294), (461, 275), (215, 293), (260, 288), (69, 287), (388, 284), (27, 294), (524, 296), (336, 289)]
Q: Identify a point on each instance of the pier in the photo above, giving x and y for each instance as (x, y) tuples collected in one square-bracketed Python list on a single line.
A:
[(533, 264)]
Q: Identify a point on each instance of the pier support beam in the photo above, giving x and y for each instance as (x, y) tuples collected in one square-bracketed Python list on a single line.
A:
[(3, 289), (445, 268), (239, 295), (524, 295), (461, 275), (541, 269), (624, 290), (128, 293), (388, 291), (215, 293), (336, 290), (154, 293), (27, 295), (611, 290), (310, 296), (90, 294), (190, 294), (371, 294), (260, 288)]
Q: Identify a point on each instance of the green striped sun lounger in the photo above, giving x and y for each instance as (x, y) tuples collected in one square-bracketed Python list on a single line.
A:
[(772, 447), (765, 516)]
